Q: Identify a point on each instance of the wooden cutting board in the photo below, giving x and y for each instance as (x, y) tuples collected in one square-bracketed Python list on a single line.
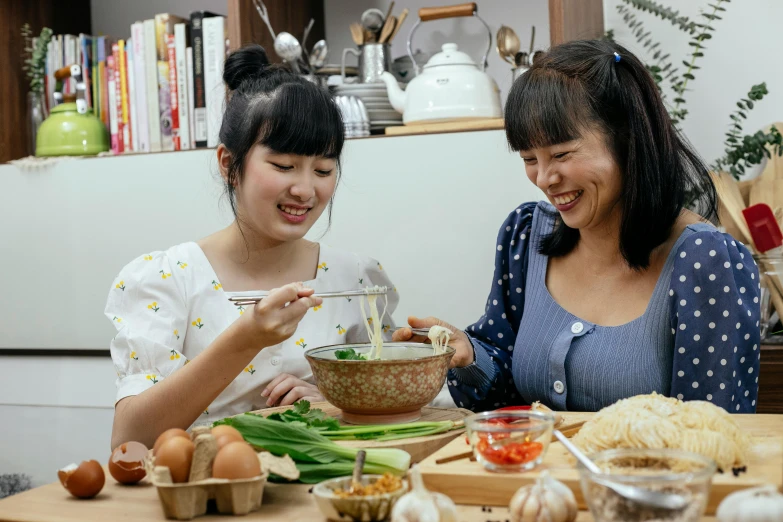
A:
[(449, 126), (471, 484), (418, 447)]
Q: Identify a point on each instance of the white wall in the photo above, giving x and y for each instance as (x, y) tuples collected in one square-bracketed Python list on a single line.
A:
[(84, 219), (742, 53), (469, 34)]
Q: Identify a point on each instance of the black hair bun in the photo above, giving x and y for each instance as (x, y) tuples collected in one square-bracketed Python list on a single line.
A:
[(245, 64)]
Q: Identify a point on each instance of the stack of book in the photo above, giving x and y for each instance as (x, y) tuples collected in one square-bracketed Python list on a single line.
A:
[(160, 89)]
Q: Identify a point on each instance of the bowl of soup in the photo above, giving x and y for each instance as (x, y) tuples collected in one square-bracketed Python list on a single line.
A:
[(386, 390)]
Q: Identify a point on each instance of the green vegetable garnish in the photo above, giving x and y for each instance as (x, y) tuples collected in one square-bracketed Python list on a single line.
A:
[(349, 355)]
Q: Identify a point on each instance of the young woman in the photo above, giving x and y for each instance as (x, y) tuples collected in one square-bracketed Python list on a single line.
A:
[(183, 352)]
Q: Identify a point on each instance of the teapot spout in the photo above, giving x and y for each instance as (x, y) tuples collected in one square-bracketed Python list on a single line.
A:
[(396, 95)]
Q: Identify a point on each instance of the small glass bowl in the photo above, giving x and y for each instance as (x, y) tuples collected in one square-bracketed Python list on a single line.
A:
[(665, 470), (510, 441)]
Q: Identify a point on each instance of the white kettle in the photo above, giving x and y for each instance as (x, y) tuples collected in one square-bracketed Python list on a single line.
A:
[(451, 86)]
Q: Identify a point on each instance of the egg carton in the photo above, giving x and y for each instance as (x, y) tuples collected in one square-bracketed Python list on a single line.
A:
[(188, 500)]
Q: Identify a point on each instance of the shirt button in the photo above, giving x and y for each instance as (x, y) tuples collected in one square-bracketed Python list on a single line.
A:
[(275, 360), (577, 327), (559, 388)]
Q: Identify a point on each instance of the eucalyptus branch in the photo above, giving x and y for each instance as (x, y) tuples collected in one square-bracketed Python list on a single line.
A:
[(665, 13), (680, 86), (745, 151), (34, 55)]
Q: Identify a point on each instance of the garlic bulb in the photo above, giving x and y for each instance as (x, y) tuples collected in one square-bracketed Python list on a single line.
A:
[(420, 505), (548, 500), (759, 504)]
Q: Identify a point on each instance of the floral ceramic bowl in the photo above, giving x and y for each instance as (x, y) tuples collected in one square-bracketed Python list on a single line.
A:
[(391, 390)]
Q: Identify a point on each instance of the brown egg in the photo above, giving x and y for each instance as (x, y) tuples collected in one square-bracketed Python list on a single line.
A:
[(126, 463), (177, 455), (166, 435), (236, 460), (83, 481), (224, 434)]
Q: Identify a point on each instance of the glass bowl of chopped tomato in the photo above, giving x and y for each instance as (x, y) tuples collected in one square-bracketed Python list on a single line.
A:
[(510, 441)]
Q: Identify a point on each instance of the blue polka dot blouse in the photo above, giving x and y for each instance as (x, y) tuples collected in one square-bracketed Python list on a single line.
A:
[(697, 340)]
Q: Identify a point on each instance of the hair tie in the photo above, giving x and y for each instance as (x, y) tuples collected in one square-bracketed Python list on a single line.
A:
[(616, 58)]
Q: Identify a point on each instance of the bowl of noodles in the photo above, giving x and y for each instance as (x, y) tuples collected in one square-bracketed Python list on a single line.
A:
[(390, 388), (380, 382)]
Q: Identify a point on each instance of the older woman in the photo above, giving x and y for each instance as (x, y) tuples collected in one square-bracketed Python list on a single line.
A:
[(612, 288)]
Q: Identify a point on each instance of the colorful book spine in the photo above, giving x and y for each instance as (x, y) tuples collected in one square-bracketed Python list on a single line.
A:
[(173, 91), (132, 121), (180, 53), (96, 90), (103, 79), (112, 97), (141, 127), (198, 92), (214, 58), (164, 26), (191, 107), (115, 52), (151, 77)]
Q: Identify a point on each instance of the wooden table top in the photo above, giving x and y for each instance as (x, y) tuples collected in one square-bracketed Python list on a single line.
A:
[(116, 503)]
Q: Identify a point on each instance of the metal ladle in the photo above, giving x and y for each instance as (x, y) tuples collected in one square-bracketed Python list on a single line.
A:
[(656, 499), (288, 48)]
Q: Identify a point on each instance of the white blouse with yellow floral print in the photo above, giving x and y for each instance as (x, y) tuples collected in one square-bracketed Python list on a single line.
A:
[(169, 306)]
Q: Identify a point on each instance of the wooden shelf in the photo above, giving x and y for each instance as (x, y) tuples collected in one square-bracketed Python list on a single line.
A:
[(771, 380)]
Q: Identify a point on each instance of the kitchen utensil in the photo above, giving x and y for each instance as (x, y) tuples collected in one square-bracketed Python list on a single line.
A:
[(264, 14), (731, 202), (288, 48), (764, 228), (370, 36), (357, 33), (644, 496), (318, 54), (388, 29), (389, 10), (306, 34), (256, 297), (372, 19), (507, 44), (71, 129), (768, 240), (386, 395), (374, 60), (451, 86), (358, 467), (532, 38), (400, 20)]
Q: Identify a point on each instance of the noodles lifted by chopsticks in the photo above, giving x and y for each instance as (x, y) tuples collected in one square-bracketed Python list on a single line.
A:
[(374, 323), (654, 421)]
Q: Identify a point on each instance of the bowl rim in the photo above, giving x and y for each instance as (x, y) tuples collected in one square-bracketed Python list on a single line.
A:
[(323, 490), (309, 353), (547, 420), (707, 471)]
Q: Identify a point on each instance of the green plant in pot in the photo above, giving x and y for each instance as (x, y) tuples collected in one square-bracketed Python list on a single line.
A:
[(34, 60), (741, 152)]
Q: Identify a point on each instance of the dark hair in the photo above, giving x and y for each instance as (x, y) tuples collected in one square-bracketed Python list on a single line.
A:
[(580, 86), (270, 105)]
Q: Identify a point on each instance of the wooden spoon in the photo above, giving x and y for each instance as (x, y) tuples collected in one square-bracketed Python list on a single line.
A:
[(388, 29), (732, 203), (357, 33), (397, 26)]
